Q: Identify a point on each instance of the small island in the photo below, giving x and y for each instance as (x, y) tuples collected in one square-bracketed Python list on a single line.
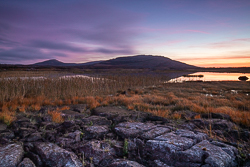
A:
[(243, 78)]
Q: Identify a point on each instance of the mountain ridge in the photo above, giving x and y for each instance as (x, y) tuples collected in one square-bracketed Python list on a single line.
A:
[(133, 62)]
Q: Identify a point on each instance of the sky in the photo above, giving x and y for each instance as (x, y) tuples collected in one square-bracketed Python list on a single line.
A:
[(205, 33)]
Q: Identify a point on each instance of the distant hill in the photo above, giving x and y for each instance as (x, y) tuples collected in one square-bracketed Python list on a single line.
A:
[(130, 62), (143, 61), (54, 62)]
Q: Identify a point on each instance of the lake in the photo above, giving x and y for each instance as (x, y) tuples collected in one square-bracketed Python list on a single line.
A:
[(210, 76)]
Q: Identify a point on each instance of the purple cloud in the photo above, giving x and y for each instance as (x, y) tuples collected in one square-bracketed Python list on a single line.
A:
[(35, 26)]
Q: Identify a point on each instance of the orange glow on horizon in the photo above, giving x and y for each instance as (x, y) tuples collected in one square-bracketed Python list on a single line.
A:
[(218, 62)]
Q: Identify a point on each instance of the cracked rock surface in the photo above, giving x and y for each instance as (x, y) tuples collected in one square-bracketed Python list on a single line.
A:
[(113, 137)]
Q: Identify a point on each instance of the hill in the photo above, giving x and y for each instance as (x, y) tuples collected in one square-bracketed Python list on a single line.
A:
[(143, 62), (53, 62), (130, 62)]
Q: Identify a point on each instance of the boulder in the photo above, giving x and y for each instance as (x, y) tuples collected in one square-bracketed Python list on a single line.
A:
[(133, 129), (7, 134), (151, 134), (26, 163), (34, 137), (125, 163), (54, 156), (207, 153), (96, 120), (76, 136), (197, 137), (97, 132), (11, 155), (97, 151), (64, 142), (176, 140), (164, 147), (158, 163)]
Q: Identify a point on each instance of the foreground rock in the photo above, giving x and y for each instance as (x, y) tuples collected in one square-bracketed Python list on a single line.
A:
[(54, 156), (11, 155), (112, 137)]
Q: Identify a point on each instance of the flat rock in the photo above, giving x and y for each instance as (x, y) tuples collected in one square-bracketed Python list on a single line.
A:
[(96, 120), (151, 134), (11, 155), (210, 154), (125, 163), (133, 129), (96, 132), (197, 137), (54, 156), (164, 147), (176, 140)]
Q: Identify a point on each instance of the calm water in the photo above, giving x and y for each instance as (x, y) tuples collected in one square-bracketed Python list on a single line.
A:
[(212, 76)]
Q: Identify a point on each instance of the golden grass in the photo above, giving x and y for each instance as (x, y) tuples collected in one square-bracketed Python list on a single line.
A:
[(7, 116), (56, 116), (17, 95), (176, 116)]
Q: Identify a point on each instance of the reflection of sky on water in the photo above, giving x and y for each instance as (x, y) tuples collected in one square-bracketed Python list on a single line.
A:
[(212, 76)]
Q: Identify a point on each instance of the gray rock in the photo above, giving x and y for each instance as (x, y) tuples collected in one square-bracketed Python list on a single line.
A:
[(133, 129), (204, 152), (165, 147), (97, 151), (125, 163), (11, 155), (7, 135), (198, 137), (158, 163), (176, 140), (151, 134), (55, 156), (74, 135), (64, 142), (96, 120), (26, 163), (95, 132), (222, 125), (35, 158), (230, 150), (34, 137)]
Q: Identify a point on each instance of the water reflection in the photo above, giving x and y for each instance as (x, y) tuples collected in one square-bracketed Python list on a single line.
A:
[(210, 76)]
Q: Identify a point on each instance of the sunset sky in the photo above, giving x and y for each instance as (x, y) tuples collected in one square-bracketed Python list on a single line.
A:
[(205, 33)]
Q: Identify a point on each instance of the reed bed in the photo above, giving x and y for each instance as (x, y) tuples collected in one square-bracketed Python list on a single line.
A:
[(146, 93)]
